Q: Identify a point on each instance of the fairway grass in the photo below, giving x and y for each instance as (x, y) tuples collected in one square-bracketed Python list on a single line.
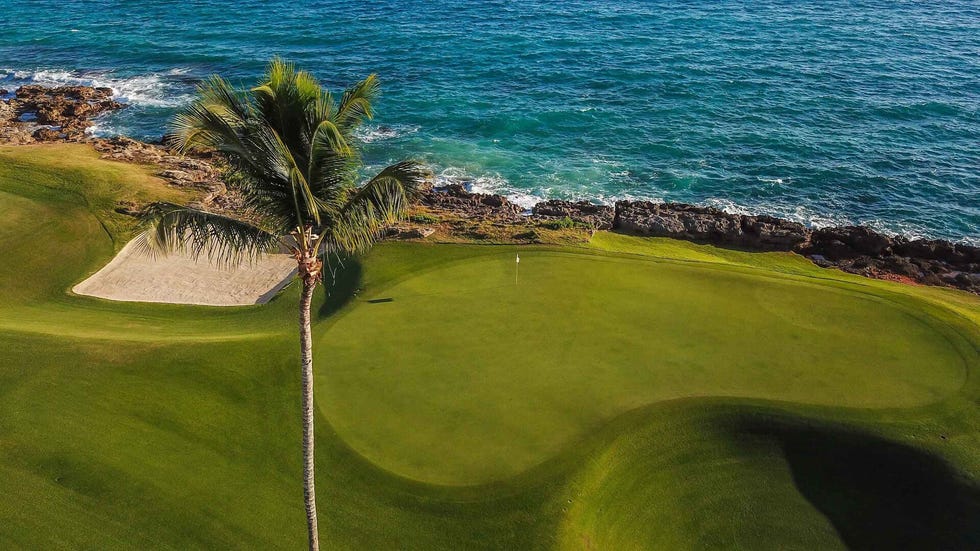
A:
[(628, 394)]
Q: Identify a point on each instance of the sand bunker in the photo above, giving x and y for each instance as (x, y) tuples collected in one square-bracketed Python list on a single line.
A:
[(179, 279)]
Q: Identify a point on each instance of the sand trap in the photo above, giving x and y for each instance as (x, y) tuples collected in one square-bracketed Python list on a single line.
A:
[(179, 279)]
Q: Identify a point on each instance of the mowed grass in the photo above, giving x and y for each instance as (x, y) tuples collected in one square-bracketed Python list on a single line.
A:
[(510, 373), (630, 394)]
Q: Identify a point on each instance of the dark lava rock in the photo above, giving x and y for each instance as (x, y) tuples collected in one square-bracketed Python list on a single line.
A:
[(455, 199), (69, 108), (849, 242), (708, 225), (770, 233), (855, 249), (600, 217)]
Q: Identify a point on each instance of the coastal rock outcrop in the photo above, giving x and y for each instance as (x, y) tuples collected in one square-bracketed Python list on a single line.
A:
[(863, 251), (855, 249), (848, 242), (708, 225), (456, 199), (38, 113), (599, 217), (202, 173)]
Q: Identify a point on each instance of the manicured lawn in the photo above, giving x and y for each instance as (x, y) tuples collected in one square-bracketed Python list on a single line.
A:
[(632, 393), (496, 377)]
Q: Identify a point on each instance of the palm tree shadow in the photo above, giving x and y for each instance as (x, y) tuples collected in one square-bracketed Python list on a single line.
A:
[(340, 288), (879, 494)]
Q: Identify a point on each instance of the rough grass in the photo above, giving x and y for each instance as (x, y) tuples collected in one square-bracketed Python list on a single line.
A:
[(626, 394)]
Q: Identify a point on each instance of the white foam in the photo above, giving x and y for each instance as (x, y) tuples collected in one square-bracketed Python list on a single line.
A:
[(495, 184), (607, 162), (151, 89), (377, 133), (799, 213), (613, 199), (907, 230), (99, 129), (813, 219), (487, 183)]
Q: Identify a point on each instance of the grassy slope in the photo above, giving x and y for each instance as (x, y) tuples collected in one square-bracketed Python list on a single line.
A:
[(176, 427)]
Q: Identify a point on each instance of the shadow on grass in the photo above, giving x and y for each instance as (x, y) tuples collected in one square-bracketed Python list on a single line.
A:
[(879, 494), (340, 288)]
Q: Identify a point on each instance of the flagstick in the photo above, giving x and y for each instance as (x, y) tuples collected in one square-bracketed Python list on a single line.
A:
[(517, 268)]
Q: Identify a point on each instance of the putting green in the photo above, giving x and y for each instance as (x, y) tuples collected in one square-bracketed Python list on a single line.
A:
[(502, 376)]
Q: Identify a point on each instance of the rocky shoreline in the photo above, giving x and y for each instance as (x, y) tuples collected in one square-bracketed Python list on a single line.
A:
[(854, 249), (37, 114)]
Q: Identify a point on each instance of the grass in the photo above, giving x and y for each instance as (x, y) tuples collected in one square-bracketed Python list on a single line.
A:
[(512, 374), (628, 393)]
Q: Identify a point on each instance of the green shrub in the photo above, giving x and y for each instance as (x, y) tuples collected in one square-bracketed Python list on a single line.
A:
[(565, 223), (423, 218)]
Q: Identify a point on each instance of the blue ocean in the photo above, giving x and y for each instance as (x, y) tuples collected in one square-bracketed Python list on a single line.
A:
[(822, 112)]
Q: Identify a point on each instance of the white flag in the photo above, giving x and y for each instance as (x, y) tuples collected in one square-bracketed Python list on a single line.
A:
[(518, 258)]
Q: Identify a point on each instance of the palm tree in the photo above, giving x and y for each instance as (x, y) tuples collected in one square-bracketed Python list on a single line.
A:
[(295, 160)]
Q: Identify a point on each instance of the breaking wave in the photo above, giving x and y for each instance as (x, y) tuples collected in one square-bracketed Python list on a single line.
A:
[(162, 89), (382, 132)]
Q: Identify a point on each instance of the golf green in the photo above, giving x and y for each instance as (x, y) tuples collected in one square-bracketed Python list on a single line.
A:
[(503, 374)]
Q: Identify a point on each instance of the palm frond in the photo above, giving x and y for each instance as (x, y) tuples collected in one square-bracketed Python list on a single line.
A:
[(327, 137), (222, 239), (392, 190), (320, 110), (356, 103), (306, 87), (203, 127), (216, 91), (307, 206), (333, 162), (380, 202)]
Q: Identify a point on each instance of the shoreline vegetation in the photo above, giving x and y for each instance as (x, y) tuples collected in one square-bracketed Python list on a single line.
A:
[(452, 213)]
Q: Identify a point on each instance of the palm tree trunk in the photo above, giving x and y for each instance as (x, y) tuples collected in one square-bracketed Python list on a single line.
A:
[(306, 349)]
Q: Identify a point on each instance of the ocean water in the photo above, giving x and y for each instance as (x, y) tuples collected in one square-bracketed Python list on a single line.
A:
[(822, 112)]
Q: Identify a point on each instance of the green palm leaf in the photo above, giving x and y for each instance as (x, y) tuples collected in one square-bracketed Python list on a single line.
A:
[(222, 239), (380, 202), (356, 103)]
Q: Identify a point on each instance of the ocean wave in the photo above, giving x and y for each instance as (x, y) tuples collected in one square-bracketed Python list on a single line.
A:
[(100, 129), (487, 183), (813, 219), (796, 213), (377, 133), (495, 184), (151, 89)]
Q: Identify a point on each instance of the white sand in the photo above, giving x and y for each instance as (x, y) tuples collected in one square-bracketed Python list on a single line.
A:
[(179, 279)]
